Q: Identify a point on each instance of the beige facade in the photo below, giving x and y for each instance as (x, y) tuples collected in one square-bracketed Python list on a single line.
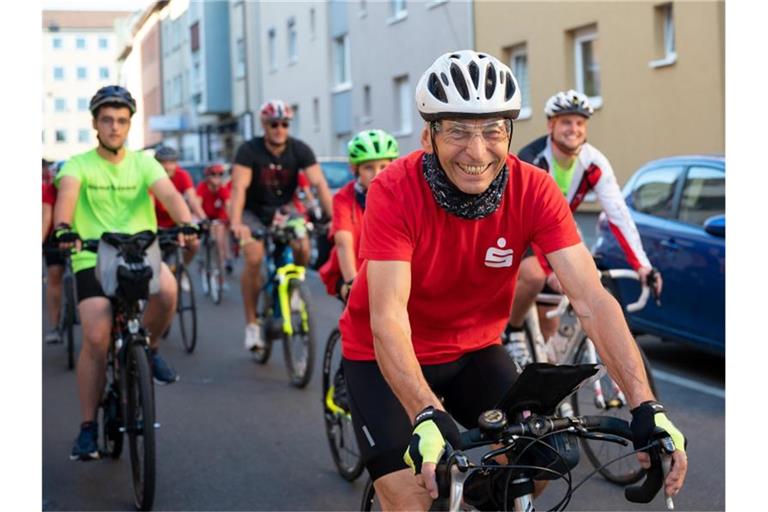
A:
[(652, 102), (79, 57)]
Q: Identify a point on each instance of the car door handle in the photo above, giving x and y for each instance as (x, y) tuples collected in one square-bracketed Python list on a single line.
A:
[(670, 244)]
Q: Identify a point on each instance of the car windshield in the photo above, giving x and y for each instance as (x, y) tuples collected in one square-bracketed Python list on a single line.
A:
[(337, 174)]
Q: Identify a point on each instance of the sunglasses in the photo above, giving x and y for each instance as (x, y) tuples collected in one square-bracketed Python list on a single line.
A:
[(284, 124), (217, 174)]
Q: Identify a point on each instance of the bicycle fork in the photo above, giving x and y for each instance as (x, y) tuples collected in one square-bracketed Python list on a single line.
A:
[(284, 276)]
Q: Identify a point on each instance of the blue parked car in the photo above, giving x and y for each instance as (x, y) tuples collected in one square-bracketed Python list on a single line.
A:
[(678, 204)]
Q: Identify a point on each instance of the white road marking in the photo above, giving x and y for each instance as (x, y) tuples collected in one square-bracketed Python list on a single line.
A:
[(688, 383)]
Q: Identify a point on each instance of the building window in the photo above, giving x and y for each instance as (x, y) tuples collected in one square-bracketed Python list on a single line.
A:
[(83, 135), (664, 36), (316, 114), (312, 21), (586, 64), (82, 73), (341, 61), (61, 135), (518, 63), (80, 43), (296, 121), (60, 104), (56, 42), (103, 43), (398, 9), (194, 36), (82, 104), (271, 42), (404, 104), (240, 68), (58, 73), (367, 104), (292, 55), (104, 73)]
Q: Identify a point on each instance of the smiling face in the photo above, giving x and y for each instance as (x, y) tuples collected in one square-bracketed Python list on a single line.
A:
[(471, 152), (568, 132), (112, 125)]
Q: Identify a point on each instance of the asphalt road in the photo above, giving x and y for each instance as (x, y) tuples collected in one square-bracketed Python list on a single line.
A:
[(235, 436)]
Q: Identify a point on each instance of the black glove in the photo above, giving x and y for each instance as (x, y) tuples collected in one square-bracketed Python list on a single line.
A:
[(189, 228), (433, 430), (63, 234), (649, 422)]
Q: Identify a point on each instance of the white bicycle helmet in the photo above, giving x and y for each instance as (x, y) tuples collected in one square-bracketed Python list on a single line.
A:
[(467, 83), (568, 102), (275, 110)]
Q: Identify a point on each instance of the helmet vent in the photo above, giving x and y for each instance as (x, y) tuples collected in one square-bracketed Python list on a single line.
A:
[(490, 81), (458, 80), (444, 78), (376, 146), (360, 147), (436, 88), (510, 88), (474, 74), (454, 56), (481, 55)]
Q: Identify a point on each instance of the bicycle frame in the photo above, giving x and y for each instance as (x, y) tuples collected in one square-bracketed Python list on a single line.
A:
[(281, 269)]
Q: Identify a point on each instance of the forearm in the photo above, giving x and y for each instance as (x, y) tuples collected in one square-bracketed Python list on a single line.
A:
[(236, 204), (195, 204), (345, 251), (604, 323), (326, 200), (177, 209), (399, 366)]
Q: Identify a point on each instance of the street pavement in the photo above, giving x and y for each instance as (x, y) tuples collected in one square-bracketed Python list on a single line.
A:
[(235, 435)]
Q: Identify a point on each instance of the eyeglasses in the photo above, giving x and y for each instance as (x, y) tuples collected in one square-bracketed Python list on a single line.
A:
[(460, 134), (275, 124)]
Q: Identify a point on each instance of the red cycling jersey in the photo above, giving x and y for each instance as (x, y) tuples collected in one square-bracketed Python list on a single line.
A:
[(463, 272), (183, 182), (214, 203), (347, 216)]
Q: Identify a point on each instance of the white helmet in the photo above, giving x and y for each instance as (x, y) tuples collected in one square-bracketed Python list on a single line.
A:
[(570, 102), (467, 84)]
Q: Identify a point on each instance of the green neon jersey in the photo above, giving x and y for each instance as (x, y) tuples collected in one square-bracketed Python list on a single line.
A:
[(112, 198), (562, 176)]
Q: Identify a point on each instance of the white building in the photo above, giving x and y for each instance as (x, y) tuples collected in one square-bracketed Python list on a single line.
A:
[(79, 57)]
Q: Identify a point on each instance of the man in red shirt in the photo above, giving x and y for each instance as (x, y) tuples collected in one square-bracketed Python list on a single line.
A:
[(370, 151), (443, 234), (214, 196), (54, 263), (169, 159)]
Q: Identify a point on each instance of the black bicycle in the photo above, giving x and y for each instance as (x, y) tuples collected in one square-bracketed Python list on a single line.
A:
[(284, 307), (186, 310), (338, 419), (128, 403), (538, 445)]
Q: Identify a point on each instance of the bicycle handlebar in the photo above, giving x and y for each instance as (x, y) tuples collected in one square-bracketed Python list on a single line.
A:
[(616, 273), (453, 466)]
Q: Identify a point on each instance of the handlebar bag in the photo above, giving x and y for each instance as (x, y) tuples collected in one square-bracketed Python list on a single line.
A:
[(128, 271)]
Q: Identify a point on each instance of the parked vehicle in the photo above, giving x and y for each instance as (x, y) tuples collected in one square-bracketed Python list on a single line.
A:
[(337, 172), (678, 204)]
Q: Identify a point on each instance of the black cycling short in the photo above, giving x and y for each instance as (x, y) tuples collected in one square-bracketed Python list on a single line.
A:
[(87, 284), (468, 386), (52, 255)]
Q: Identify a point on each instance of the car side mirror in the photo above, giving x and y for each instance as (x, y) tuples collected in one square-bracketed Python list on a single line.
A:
[(715, 226)]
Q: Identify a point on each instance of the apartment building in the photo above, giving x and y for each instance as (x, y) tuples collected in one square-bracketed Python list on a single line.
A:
[(79, 57), (655, 71)]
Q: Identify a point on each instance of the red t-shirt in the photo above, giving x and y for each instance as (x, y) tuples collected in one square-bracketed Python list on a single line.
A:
[(183, 182), (49, 197), (214, 203), (463, 272), (347, 216)]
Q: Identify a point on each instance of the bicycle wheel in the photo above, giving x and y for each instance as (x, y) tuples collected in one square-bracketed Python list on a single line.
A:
[(111, 423), (603, 397), (299, 347), (264, 315), (369, 498), (338, 422), (185, 307), (140, 425), (67, 319), (215, 279)]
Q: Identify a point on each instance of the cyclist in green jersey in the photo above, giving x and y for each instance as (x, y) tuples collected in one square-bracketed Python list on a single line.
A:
[(103, 190)]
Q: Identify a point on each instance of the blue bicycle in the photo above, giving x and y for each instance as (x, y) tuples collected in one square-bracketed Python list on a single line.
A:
[(284, 303)]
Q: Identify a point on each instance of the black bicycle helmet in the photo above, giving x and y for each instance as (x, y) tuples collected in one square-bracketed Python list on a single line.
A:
[(166, 154), (112, 94)]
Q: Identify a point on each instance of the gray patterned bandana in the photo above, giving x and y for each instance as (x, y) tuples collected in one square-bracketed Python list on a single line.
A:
[(461, 204)]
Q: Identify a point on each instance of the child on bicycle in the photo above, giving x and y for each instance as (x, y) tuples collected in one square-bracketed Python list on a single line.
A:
[(214, 196), (370, 151)]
